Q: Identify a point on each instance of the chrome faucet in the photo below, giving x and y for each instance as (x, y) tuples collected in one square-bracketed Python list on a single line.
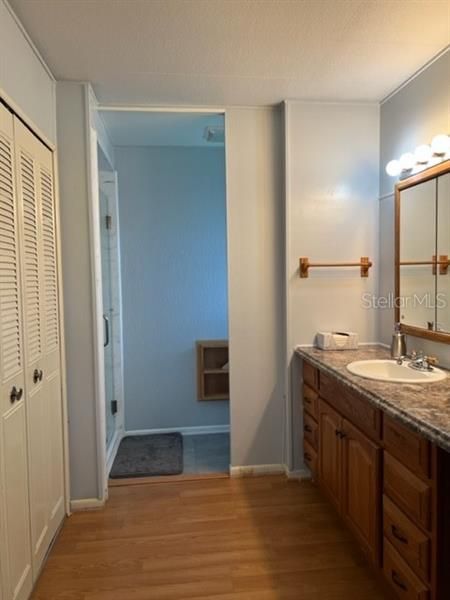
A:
[(420, 362)]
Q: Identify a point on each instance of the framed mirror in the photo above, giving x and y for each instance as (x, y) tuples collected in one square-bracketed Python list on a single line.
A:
[(422, 253)]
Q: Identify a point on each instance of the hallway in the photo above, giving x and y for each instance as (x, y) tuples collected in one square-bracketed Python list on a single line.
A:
[(260, 538)]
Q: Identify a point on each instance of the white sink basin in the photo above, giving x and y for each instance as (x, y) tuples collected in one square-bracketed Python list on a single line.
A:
[(389, 370)]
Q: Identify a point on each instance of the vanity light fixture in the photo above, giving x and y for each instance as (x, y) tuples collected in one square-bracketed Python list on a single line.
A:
[(423, 154), (407, 161), (440, 144), (437, 151), (393, 168)]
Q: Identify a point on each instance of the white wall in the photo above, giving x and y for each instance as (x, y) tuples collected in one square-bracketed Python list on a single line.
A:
[(255, 231), (24, 79), (332, 155), (256, 287), (77, 282), (412, 116), (174, 280)]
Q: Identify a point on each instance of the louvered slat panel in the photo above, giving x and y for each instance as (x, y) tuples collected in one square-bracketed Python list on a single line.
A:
[(31, 257), (49, 260), (10, 352)]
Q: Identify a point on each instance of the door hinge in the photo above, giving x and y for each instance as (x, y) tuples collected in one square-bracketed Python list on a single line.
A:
[(108, 221), (114, 407)]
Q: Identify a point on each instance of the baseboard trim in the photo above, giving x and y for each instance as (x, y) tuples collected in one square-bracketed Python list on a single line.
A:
[(86, 504), (256, 470), (202, 430), (169, 479), (303, 474), (112, 451)]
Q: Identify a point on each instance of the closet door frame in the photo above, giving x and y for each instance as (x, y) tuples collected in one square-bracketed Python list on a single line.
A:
[(18, 112)]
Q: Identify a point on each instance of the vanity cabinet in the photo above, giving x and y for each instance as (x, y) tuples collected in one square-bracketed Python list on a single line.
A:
[(410, 519), (361, 477), (390, 485), (330, 462), (350, 475), (310, 418)]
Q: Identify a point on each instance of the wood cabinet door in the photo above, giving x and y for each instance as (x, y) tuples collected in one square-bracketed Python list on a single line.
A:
[(330, 424), (361, 489)]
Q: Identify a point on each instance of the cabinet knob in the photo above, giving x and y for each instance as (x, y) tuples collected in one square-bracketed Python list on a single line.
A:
[(16, 394), (38, 375), (308, 429)]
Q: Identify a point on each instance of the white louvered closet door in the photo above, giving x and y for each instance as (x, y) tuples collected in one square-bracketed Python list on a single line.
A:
[(14, 500), (51, 337), (35, 196)]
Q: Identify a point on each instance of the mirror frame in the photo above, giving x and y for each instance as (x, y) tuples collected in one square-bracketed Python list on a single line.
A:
[(430, 173)]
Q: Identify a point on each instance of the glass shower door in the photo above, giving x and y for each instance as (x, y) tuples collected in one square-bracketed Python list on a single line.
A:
[(106, 228)]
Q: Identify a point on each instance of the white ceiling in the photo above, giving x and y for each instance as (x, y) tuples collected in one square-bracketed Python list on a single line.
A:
[(251, 52), (159, 129)]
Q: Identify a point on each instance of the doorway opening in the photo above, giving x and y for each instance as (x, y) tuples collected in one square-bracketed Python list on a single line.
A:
[(162, 215)]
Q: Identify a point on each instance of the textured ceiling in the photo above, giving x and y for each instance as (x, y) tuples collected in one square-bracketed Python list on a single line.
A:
[(159, 129), (219, 52)]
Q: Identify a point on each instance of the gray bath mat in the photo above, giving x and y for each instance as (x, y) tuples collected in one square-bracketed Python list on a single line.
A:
[(149, 455)]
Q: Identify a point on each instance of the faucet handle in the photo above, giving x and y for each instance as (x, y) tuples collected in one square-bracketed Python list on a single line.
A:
[(431, 360)]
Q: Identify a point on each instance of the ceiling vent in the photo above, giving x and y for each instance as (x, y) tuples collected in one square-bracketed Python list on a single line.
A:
[(214, 135)]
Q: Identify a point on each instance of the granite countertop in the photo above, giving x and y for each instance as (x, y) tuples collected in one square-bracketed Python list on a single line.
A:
[(424, 407)]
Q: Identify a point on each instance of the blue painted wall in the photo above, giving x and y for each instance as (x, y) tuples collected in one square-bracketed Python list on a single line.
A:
[(174, 280)]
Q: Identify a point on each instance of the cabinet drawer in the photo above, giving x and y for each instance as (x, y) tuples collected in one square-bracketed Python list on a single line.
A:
[(402, 580), (310, 457), (409, 492), (351, 405), (310, 375), (410, 542), (311, 401), (412, 449), (310, 430)]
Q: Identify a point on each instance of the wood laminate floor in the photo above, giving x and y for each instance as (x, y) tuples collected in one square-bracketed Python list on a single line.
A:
[(262, 538)]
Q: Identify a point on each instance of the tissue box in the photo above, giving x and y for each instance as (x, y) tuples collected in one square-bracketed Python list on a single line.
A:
[(337, 340)]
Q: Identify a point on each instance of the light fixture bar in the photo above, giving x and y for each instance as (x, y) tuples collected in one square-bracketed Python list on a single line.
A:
[(424, 155)]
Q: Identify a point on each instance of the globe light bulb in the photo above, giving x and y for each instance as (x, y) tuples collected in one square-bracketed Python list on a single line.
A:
[(440, 144), (423, 154), (407, 161), (393, 168)]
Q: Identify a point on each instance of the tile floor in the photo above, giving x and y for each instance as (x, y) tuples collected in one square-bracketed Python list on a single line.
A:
[(208, 453)]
